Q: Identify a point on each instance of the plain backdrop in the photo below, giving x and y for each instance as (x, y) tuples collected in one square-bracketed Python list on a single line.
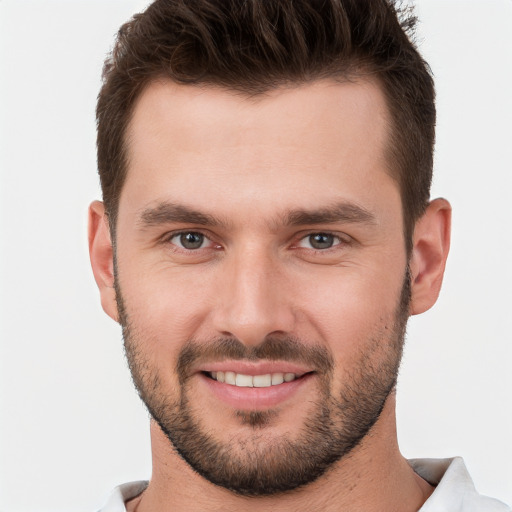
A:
[(71, 425)]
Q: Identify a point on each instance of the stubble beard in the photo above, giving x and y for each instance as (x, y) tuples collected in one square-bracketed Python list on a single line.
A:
[(256, 464)]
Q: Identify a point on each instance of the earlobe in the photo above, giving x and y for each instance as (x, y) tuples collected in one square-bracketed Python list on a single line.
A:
[(102, 257), (431, 244)]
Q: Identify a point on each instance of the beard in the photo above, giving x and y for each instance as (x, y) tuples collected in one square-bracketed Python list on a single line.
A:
[(256, 464)]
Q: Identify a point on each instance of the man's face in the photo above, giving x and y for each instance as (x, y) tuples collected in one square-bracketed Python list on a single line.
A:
[(261, 276)]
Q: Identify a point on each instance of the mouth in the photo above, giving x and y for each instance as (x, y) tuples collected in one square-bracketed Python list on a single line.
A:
[(246, 386)]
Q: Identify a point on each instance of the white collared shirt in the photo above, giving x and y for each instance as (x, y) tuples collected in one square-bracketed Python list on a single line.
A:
[(454, 490)]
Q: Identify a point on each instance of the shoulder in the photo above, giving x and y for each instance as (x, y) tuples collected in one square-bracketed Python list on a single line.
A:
[(121, 494), (455, 491)]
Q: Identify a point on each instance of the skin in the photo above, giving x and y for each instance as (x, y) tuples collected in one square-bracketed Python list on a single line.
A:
[(249, 163)]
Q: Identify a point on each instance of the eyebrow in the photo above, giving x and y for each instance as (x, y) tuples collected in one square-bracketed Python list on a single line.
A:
[(345, 212), (167, 212)]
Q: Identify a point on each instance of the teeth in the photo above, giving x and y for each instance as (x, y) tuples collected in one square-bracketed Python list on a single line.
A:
[(229, 378), (243, 381), (262, 381), (256, 381), (277, 378)]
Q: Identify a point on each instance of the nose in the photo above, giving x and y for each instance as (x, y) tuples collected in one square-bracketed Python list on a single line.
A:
[(254, 298)]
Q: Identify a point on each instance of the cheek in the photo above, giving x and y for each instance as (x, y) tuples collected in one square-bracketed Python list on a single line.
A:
[(350, 309), (165, 308)]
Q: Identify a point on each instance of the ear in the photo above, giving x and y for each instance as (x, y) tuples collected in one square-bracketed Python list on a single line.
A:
[(102, 257), (431, 243)]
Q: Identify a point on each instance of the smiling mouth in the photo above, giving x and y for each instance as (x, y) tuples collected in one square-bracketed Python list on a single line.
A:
[(253, 381)]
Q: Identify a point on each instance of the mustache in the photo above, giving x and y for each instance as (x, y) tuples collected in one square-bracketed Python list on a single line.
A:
[(273, 348)]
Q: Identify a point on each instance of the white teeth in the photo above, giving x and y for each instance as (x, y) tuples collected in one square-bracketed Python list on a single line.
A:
[(256, 381), (262, 381), (277, 378), (230, 378), (243, 381)]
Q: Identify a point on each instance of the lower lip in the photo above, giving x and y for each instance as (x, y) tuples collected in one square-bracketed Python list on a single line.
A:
[(255, 399)]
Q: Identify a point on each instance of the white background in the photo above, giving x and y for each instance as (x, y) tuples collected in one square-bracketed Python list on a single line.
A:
[(71, 426)]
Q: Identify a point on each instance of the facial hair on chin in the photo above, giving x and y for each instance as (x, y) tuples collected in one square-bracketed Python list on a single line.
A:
[(256, 465)]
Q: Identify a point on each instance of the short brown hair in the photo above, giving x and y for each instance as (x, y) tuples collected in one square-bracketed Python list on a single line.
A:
[(253, 46)]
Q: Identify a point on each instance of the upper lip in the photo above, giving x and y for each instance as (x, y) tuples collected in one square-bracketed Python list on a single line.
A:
[(254, 368)]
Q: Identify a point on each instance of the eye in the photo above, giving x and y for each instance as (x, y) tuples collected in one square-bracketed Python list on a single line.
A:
[(320, 241), (190, 240)]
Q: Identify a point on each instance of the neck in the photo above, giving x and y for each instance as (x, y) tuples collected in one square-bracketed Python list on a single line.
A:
[(373, 477)]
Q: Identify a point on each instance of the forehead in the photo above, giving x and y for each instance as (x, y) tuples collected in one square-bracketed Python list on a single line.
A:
[(194, 114), (296, 144)]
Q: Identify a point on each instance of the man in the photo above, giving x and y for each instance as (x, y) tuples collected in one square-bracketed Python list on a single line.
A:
[(265, 234)]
